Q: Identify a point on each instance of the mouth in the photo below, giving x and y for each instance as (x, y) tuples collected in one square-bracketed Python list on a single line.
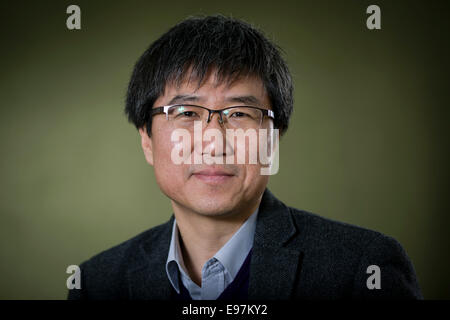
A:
[(213, 176)]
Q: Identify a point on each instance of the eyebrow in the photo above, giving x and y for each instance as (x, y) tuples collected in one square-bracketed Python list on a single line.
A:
[(179, 98), (246, 99)]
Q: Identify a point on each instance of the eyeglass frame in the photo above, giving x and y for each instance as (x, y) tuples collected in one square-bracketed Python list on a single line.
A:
[(164, 110)]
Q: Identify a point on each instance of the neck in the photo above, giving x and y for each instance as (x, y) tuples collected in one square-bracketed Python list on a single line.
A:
[(201, 236)]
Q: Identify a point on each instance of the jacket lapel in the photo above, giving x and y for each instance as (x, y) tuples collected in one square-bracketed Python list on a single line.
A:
[(148, 279), (274, 268)]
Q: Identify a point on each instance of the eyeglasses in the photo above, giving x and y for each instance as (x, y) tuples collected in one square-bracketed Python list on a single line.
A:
[(244, 117)]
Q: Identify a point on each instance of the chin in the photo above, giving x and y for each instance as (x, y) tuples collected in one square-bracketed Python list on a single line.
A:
[(213, 207)]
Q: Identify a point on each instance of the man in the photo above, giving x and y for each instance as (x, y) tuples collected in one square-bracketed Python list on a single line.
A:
[(229, 237)]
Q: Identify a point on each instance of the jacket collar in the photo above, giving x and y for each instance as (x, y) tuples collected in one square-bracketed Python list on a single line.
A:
[(273, 266)]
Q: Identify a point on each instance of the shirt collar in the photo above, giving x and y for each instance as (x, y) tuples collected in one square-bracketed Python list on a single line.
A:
[(231, 255), (174, 259)]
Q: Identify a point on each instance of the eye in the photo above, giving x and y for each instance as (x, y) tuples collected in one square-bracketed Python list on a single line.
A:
[(189, 114), (239, 114), (186, 112)]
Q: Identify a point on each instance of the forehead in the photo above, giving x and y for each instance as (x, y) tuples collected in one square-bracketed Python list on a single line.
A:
[(215, 88)]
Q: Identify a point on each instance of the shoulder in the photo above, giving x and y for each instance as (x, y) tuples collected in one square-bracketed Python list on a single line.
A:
[(343, 241), (104, 274), (129, 248), (342, 253), (321, 231)]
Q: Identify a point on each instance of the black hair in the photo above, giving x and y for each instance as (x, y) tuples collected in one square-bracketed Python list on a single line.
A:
[(197, 45)]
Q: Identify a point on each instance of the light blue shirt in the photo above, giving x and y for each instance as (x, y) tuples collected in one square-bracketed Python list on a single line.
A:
[(219, 271)]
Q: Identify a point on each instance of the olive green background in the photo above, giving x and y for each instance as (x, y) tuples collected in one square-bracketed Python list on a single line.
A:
[(367, 143)]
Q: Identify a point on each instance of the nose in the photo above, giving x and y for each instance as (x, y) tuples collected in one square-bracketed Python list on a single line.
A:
[(211, 145), (211, 117), (214, 137)]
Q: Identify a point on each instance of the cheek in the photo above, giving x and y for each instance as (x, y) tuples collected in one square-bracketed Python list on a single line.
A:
[(169, 176), (253, 178)]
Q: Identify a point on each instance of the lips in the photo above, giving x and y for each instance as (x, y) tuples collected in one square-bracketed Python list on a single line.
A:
[(213, 175)]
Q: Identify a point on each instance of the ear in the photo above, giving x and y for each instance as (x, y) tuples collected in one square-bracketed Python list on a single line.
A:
[(147, 147)]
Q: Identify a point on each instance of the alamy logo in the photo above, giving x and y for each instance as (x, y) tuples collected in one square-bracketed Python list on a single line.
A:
[(374, 20), (251, 146), (374, 281), (74, 20), (74, 280)]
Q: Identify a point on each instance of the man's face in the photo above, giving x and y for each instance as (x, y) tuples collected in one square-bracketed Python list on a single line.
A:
[(214, 189)]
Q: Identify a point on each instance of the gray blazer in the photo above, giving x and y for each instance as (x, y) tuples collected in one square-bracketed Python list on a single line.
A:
[(296, 255)]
